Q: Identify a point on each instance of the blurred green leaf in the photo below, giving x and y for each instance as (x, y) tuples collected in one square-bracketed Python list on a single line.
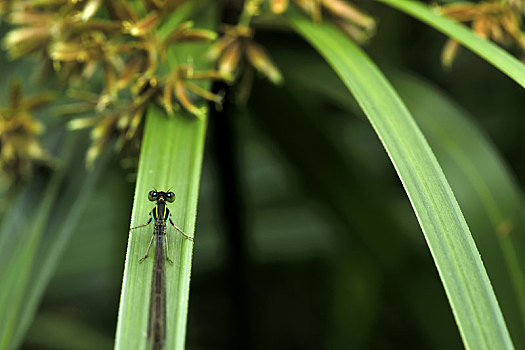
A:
[(78, 188), (465, 280), (56, 331), (18, 255), (32, 245), (339, 176), (484, 48)]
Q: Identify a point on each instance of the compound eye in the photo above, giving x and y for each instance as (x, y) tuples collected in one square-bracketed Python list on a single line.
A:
[(152, 195), (170, 197)]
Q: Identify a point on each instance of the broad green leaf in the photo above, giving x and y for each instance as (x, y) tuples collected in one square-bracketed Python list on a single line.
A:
[(465, 280), (486, 49), (171, 157)]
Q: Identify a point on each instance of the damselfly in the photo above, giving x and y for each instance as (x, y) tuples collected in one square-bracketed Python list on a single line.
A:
[(160, 215)]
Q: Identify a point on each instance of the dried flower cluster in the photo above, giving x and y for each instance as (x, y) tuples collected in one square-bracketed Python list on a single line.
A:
[(122, 45), (237, 46), (20, 149), (352, 21), (518, 5), (119, 43), (237, 43), (497, 20)]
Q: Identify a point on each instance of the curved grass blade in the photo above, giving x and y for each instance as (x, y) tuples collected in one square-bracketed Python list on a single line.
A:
[(171, 157), (465, 280), (476, 170), (484, 48), (483, 185)]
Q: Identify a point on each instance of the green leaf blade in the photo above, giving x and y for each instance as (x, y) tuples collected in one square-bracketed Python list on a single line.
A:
[(461, 270), (484, 48)]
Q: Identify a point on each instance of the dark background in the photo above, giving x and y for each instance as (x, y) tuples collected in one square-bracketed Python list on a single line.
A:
[(305, 238)]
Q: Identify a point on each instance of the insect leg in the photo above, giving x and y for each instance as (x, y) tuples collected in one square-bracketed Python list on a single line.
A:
[(166, 248), (147, 223), (182, 232), (147, 250)]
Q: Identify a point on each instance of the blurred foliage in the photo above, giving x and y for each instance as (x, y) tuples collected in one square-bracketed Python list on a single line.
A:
[(318, 246)]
